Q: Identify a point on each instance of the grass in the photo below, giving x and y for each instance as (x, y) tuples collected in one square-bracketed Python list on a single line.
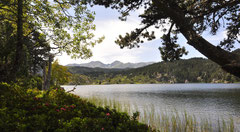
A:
[(167, 121)]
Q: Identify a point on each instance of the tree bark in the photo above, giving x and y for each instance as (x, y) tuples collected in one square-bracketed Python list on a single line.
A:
[(48, 79), (229, 62), (19, 47), (44, 76)]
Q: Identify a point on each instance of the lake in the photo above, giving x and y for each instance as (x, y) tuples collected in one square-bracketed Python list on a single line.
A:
[(211, 101)]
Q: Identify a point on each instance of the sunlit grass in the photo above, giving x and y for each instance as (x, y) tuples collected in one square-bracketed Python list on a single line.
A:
[(166, 121)]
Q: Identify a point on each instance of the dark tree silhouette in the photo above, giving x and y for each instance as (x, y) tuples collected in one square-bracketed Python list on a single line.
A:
[(189, 18)]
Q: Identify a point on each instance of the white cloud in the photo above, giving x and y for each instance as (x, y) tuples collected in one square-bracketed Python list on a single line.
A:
[(108, 51), (220, 36), (215, 39)]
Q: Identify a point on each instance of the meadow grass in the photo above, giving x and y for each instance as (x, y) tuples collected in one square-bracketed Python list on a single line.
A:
[(166, 121)]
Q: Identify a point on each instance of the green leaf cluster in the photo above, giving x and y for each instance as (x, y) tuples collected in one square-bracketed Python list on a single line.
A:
[(60, 74), (47, 26), (57, 110)]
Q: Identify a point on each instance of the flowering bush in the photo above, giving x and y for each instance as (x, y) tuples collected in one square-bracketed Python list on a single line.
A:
[(56, 110)]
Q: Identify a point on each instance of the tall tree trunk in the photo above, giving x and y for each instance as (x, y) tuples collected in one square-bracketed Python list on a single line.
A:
[(19, 47), (34, 69), (44, 76), (48, 79), (229, 62)]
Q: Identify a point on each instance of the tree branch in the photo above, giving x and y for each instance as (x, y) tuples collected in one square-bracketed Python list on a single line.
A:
[(230, 3), (9, 19), (9, 10), (72, 89), (224, 58), (61, 6), (170, 29)]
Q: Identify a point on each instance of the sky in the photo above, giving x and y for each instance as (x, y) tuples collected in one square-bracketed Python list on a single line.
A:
[(108, 25)]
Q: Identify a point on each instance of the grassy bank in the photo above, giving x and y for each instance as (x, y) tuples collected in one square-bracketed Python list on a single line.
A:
[(27, 109), (167, 121)]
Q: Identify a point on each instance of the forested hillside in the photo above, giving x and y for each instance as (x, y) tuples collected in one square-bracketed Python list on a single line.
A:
[(193, 70)]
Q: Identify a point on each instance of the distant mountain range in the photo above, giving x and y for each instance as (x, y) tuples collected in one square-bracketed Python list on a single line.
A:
[(115, 65), (194, 70), (118, 64)]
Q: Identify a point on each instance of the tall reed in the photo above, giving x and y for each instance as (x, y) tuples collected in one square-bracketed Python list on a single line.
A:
[(166, 121)]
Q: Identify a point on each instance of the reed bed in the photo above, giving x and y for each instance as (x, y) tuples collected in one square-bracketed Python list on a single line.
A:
[(166, 121)]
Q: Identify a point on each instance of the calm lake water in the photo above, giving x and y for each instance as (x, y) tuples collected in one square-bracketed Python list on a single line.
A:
[(211, 101)]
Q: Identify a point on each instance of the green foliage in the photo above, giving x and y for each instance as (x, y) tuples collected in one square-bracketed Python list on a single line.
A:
[(26, 37), (79, 79), (54, 21), (56, 110), (197, 15), (195, 70), (31, 82), (189, 18), (60, 74), (170, 50), (7, 47)]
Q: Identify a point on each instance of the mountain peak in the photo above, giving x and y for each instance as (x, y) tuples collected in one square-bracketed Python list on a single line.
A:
[(116, 64), (94, 62), (117, 61)]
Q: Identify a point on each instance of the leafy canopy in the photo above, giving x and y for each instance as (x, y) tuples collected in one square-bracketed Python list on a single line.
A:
[(66, 25), (60, 74), (172, 16)]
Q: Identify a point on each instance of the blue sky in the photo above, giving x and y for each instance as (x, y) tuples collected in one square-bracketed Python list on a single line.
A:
[(108, 24)]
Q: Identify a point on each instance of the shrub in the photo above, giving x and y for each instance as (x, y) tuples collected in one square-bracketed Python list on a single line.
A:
[(33, 110)]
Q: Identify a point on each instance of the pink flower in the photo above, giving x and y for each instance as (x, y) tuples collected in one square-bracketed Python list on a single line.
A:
[(57, 110), (66, 106), (63, 109), (102, 128), (108, 114), (46, 104), (72, 106)]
